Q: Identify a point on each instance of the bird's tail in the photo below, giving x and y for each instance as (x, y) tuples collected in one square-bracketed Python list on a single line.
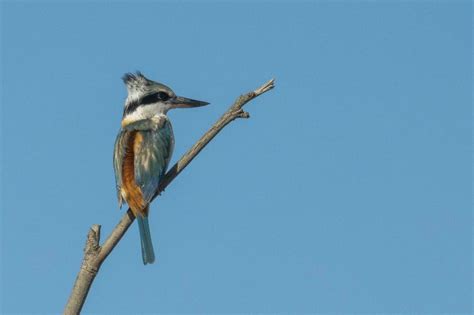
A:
[(148, 254)]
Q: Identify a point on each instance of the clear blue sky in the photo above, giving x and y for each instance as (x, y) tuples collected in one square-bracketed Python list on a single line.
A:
[(348, 190)]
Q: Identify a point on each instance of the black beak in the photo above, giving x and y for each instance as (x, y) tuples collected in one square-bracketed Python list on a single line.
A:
[(183, 102)]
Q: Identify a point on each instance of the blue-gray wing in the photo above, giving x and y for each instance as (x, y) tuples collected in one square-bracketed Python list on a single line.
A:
[(152, 157), (119, 155)]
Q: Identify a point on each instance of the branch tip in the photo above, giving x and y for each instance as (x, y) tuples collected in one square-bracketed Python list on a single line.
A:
[(93, 238), (244, 115), (265, 87)]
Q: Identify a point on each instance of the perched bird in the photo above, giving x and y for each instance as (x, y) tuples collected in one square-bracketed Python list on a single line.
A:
[(143, 148)]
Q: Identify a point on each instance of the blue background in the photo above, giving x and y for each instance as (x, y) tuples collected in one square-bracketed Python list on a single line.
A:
[(348, 190)]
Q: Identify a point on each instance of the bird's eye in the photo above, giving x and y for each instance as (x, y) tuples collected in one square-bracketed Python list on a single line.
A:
[(163, 96)]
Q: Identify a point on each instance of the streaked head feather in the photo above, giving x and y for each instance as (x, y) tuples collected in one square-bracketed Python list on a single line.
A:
[(139, 86), (140, 90)]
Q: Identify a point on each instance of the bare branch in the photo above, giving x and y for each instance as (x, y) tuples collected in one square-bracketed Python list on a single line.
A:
[(94, 254), (87, 273)]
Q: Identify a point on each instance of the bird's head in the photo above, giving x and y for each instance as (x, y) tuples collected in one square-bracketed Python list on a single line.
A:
[(147, 98)]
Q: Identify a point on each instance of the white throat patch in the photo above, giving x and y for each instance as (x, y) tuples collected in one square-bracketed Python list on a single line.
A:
[(145, 112)]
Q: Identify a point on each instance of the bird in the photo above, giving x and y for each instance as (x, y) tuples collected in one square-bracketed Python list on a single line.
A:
[(143, 148)]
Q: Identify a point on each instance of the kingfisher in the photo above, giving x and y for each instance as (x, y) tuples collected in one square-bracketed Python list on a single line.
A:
[(143, 148)]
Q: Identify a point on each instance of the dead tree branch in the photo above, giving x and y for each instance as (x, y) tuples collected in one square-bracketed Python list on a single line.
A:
[(95, 254)]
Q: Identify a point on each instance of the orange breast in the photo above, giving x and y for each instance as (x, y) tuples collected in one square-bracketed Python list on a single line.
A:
[(134, 196)]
